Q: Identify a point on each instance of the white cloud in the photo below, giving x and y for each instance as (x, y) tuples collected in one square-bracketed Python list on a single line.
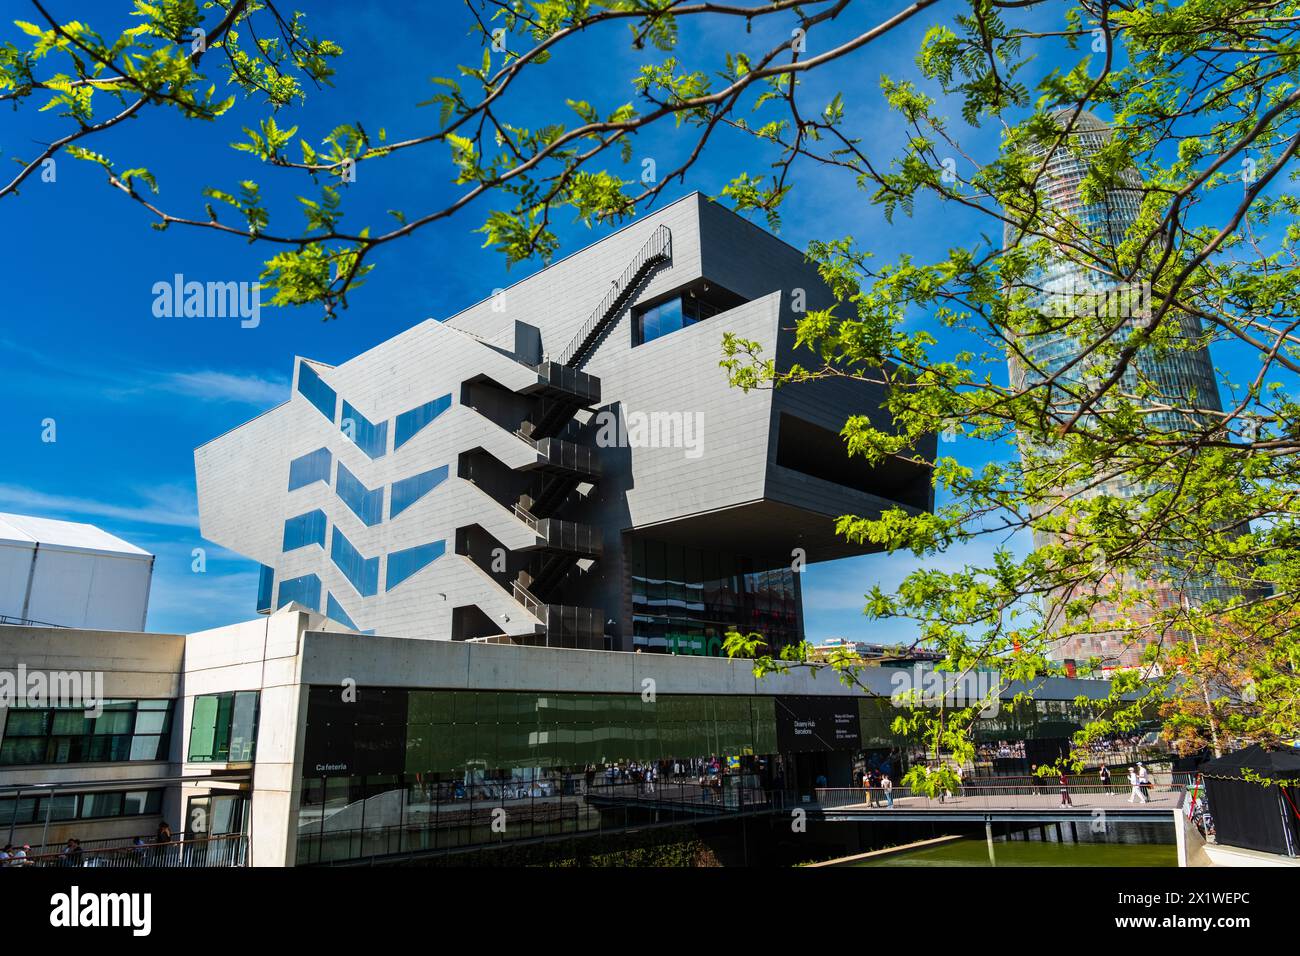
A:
[(248, 389), (169, 505)]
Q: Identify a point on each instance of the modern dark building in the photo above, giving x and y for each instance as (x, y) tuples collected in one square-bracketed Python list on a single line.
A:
[(565, 463)]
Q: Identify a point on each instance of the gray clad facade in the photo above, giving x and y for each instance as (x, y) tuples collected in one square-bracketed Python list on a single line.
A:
[(564, 463)]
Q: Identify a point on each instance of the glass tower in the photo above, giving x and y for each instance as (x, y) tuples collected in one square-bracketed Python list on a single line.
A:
[(1089, 279)]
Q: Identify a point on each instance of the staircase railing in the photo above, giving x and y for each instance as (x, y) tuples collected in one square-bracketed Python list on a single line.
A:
[(659, 248)]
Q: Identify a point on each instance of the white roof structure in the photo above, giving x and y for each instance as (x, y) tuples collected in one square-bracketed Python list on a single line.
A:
[(65, 535), (70, 574)]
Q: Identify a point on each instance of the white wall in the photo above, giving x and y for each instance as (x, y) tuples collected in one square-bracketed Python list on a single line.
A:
[(95, 591)]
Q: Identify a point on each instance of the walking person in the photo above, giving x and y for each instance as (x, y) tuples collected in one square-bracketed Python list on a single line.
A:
[(1104, 777), (1134, 793), (867, 795), (1065, 791), (1144, 783), (887, 786), (959, 779)]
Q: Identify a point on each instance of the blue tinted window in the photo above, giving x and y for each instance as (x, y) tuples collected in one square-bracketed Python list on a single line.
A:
[(305, 529), (370, 438), (314, 389), (265, 586), (408, 424), (659, 320), (334, 611), (365, 504), (314, 466), (668, 317), (402, 564), (410, 490), (362, 573), (305, 590)]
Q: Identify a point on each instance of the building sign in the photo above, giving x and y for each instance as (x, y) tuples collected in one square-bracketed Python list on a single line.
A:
[(817, 723), (350, 739)]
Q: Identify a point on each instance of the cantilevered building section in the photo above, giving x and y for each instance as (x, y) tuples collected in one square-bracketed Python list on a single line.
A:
[(1184, 378), (564, 463)]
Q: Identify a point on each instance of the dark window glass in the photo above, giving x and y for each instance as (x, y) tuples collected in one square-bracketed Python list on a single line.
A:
[(49, 735)]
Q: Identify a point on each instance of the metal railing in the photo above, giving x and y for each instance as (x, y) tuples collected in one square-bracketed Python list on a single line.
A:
[(487, 815), (1044, 796), (228, 850), (658, 248), (26, 622)]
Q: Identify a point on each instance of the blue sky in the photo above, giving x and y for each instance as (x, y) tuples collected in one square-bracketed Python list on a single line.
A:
[(133, 395)]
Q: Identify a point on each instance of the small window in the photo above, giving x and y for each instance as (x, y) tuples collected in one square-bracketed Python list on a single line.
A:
[(313, 388), (362, 572), (369, 437), (366, 504), (223, 728), (409, 424), (682, 309)]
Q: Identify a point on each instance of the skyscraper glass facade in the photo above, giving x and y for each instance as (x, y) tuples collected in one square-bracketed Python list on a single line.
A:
[(1089, 284)]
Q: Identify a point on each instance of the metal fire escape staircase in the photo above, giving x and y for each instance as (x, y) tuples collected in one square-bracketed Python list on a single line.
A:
[(563, 463)]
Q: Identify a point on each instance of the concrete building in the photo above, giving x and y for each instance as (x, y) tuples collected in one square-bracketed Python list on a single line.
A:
[(71, 575), (565, 463), (301, 743)]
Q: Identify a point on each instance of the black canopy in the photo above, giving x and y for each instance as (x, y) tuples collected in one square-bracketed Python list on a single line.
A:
[(1283, 762)]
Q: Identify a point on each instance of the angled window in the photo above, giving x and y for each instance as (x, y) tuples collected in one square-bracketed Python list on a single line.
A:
[(334, 611), (362, 573), (265, 588), (305, 590), (369, 437), (314, 466), (313, 388), (305, 529), (223, 727), (365, 504), (410, 490), (410, 423), (402, 564)]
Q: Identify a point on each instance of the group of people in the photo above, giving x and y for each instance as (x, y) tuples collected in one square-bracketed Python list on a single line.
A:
[(875, 783), (141, 850), (15, 856), (1139, 782)]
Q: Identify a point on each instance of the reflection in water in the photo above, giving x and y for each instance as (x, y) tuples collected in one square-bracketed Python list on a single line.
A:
[(973, 851)]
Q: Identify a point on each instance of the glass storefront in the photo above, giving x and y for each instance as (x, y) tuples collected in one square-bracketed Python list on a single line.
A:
[(397, 770), (684, 600)]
